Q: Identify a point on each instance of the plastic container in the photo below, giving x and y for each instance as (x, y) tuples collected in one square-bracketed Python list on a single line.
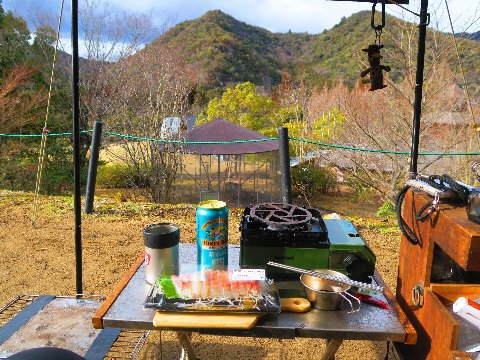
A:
[(468, 310)]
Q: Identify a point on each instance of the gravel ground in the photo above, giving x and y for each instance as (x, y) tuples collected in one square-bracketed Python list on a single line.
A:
[(40, 259)]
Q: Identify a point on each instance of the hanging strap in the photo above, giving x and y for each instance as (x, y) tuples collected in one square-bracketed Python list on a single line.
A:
[(405, 230)]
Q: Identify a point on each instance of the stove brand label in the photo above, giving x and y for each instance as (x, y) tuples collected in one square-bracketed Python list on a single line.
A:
[(284, 257)]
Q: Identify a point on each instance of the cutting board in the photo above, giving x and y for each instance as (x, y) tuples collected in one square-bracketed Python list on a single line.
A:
[(222, 320), (205, 320)]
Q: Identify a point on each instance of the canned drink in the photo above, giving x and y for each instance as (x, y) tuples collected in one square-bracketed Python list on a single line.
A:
[(212, 234)]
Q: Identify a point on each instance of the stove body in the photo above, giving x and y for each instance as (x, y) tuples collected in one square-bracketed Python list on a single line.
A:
[(299, 237)]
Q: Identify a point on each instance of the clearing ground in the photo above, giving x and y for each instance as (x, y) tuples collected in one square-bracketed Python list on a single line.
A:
[(40, 259)]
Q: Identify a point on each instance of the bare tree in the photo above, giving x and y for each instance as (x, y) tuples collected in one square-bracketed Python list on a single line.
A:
[(109, 36), (382, 120), (154, 85), (292, 98)]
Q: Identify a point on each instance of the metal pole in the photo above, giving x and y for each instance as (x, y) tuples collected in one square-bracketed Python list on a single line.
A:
[(76, 148), (92, 166), (417, 106), (181, 175), (284, 165), (218, 175)]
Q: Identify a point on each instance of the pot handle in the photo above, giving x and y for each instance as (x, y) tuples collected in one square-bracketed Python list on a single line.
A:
[(352, 310)]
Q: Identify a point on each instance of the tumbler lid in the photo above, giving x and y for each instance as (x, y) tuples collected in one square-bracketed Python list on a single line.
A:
[(161, 235)]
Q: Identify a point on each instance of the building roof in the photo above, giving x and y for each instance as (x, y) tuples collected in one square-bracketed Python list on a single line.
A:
[(223, 130), (450, 118)]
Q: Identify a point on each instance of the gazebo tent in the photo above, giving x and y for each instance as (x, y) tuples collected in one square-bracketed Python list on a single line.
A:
[(228, 139), (221, 130)]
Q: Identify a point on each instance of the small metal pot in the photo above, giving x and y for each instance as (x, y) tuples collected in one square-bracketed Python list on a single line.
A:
[(326, 294)]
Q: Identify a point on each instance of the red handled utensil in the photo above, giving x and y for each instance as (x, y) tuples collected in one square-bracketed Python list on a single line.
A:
[(372, 300)]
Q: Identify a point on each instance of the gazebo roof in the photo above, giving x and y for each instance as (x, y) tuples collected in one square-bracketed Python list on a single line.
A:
[(223, 130)]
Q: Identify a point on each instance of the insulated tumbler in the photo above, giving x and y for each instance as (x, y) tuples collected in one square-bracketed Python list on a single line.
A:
[(161, 250)]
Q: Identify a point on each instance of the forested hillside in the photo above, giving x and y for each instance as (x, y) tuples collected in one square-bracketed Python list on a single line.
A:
[(228, 51)]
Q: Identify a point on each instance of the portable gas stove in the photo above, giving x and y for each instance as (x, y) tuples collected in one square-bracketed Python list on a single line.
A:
[(299, 237)]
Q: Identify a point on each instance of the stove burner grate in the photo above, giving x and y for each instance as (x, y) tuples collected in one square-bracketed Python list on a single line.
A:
[(278, 215), (277, 224)]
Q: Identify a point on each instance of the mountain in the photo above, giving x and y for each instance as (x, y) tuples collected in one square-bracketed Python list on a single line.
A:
[(472, 36), (227, 51)]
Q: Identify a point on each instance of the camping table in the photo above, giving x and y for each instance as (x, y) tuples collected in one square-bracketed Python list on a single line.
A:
[(123, 308)]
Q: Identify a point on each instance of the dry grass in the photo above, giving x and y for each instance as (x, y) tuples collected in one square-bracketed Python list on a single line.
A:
[(40, 259)]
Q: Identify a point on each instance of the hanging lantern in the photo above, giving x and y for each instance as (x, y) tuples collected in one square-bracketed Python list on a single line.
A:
[(373, 51)]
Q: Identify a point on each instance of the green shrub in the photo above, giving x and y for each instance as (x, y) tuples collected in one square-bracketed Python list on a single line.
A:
[(57, 178), (310, 180), (387, 210), (361, 191), (119, 177), (18, 167)]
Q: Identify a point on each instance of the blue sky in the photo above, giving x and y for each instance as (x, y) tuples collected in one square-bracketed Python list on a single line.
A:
[(312, 16)]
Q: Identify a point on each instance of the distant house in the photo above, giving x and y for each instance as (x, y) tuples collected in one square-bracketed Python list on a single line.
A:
[(171, 126), (446, 118)]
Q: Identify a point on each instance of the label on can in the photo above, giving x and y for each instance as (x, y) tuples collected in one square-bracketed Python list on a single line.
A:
[(212, 234)]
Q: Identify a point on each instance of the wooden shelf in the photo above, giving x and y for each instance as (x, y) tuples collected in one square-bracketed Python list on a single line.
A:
[(450, 227), (459, 238)]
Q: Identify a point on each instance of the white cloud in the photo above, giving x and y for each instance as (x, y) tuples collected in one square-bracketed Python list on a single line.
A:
[(311, 16)]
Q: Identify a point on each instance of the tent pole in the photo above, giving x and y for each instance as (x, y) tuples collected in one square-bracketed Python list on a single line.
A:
[(285, 166), (76, 148), (218, 174), (181, 175), (417, 106), (239, 180)]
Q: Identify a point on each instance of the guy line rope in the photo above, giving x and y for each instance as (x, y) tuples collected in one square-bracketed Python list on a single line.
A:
[(41, 155)]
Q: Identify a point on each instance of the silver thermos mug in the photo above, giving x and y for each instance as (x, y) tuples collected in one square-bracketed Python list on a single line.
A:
[(161, 250)]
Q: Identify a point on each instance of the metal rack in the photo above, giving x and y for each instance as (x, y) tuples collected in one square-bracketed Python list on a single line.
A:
[(127, 345)]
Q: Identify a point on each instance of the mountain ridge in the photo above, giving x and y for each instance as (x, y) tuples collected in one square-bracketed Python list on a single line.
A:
[(228, 51)]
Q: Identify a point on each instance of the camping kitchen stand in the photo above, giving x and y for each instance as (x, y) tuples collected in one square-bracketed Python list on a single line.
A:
[(445, 263), (124, 308)]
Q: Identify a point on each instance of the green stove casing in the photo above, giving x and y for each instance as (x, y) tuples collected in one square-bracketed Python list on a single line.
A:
[(345, 251)]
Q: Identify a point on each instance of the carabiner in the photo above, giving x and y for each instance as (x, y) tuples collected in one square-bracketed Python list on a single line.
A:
[(436, 201), (378, 28)]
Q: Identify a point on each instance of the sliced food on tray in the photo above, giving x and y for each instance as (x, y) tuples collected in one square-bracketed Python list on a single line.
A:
[(208, 284), (214, 290)]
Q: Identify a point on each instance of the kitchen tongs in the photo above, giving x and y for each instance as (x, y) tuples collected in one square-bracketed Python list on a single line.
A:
[(337, 279)]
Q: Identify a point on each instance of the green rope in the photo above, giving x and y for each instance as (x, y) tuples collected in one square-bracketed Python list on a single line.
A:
[(318, 143), (40, 135), (132, 137), (342, 147)]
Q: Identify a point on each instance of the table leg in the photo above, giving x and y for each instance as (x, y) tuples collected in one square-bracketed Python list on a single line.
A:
[(331, 349), (187, 347)]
